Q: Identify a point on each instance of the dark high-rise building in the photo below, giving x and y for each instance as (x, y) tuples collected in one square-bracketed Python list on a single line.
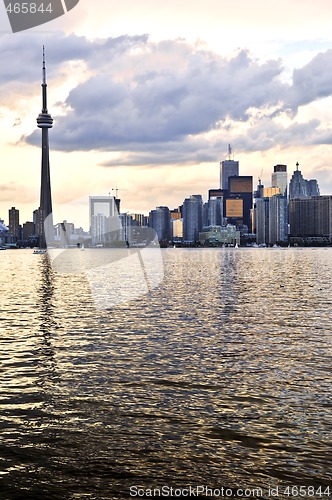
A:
[(239, 202), (14, 224), (217, 193), (28, 230), (45, 121), (311, 217)]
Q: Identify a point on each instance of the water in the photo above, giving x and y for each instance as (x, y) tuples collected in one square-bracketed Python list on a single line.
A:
[(221, 377)]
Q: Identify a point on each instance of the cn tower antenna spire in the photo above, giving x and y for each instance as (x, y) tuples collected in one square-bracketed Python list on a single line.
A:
[(44, 84), (44, 67)]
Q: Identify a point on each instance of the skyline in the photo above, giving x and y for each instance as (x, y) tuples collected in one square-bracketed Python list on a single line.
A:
[(296, 186), (153, 114)]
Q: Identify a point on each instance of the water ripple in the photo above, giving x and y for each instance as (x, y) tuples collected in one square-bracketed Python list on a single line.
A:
[(221, 376)]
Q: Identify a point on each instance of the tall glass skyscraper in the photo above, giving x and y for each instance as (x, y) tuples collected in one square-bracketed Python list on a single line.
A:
[(192, 217), (159, 220), (228, 168), (279, 178)]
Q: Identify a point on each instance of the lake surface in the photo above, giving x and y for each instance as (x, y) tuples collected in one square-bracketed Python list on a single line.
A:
[(220, 376)]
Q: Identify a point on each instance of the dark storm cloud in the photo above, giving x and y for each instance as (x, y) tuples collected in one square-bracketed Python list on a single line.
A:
[(155, 101)]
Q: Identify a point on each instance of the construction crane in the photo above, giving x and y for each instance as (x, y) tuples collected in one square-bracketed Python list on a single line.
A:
[(116, 189), (260, 178)]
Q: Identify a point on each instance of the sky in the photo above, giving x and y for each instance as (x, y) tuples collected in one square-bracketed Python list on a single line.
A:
[(146, 96)]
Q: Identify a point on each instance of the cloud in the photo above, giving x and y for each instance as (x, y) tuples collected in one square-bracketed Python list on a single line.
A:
[(11, 191), (166, 102), (141, 94), (312, 82)]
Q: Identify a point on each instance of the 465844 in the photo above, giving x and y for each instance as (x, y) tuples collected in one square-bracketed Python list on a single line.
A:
[(29, 8)]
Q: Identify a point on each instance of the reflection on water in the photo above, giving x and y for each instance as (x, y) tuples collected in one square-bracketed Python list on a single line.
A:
[(221, 376)]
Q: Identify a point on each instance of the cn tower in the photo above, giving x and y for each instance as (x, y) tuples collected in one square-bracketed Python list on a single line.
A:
[(45, 121)]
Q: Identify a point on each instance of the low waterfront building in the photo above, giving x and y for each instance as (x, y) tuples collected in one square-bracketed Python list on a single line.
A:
[(219, 235)]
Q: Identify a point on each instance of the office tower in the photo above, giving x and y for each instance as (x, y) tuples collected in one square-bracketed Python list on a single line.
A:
[(159, 220), (215, 212), (311, 218), (192, 218), (128, 225), (36, 217), (228, 168), (238, 203), (297, 184), (313, 187), (262, 221), (28, 231), (105, 225), (279, 178), (278, 219), (14, 224), (45, 121), (300, 187)]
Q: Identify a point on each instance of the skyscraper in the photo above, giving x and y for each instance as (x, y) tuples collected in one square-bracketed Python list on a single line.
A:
[(215, 211), (14, 224), (262, 220), (300, 187), (228, 168), (279, 178), (159, 220), (278, 219), (239, 202), (192, 217), (310, 218), (45, 121)]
